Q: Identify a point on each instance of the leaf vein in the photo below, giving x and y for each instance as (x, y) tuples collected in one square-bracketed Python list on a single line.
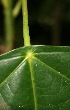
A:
[(56, 72)]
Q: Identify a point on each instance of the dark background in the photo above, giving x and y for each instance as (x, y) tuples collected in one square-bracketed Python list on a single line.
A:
[(49, 23)]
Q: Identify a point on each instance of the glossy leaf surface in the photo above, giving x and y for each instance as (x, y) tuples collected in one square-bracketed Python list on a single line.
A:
[(35, 78)]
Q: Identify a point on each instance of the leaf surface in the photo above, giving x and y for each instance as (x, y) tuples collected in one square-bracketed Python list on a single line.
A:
[(35, 78)]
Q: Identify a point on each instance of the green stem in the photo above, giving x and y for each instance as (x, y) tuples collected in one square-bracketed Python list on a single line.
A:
[(9, 24), (25, 23), (17, 8)]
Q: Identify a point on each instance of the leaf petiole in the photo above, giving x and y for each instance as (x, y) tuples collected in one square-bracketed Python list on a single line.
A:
[(25, 23)]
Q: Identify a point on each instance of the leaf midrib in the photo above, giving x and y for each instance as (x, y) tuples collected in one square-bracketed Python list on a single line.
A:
[(33, 83)]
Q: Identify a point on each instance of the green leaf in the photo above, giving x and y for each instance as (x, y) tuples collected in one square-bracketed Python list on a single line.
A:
[(35, 78)]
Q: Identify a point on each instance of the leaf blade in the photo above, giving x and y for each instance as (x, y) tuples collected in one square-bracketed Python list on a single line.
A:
[(33, 81)]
